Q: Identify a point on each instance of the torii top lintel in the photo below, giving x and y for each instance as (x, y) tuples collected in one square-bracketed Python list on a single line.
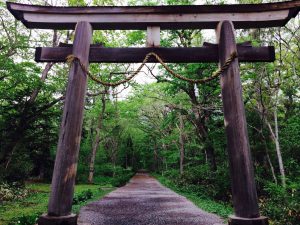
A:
[(167, 17)]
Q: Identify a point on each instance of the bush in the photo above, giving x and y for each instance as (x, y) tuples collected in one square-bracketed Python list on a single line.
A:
[(18, 170), (9, 192), (103, 181), (24, 220), (281, 205), (201, 181), (106, 170), (115, 175), (120, 180), (82, 197)]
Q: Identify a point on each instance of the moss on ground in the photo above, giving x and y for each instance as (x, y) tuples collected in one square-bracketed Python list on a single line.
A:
[(28, 209)]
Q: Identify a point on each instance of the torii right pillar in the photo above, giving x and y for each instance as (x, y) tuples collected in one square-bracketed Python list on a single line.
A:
[(243, 186)]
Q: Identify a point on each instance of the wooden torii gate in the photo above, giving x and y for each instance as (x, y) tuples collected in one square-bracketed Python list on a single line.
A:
[(223, 18)]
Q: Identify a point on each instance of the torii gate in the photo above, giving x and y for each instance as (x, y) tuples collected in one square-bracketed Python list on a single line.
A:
[(223, 18)]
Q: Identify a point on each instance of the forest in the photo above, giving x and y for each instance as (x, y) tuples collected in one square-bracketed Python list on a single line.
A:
[(156, 122)]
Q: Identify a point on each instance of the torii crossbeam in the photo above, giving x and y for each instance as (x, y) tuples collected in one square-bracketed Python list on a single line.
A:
[(166, 17), (223, 18)]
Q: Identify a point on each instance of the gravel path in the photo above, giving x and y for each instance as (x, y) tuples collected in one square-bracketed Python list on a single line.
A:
[(144, 201)]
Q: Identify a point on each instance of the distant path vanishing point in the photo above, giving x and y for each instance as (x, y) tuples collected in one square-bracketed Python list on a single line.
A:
[(144, 201)]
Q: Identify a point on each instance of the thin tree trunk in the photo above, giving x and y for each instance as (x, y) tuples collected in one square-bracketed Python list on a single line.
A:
[(275, 137), (278, 150), (276, 134), (210, 153), (268, 158), (262, 112), (155, 158), (181, 142), (164, 161), (45, 72), (271, 166), (97, 140)]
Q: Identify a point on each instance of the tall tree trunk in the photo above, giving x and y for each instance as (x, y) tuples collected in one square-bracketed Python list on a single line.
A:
[(155, 158), (278, 150), (275, 138), (181, 142), (202, 134), (164, 160), (96, 140), (210, 153), (276, 134), (268, 158), (271, 166)]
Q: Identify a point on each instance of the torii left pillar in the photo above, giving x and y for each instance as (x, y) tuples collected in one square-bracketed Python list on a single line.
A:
[(63, 179)]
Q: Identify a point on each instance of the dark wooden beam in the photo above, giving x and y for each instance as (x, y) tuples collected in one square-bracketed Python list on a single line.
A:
[(166, 17), (64, 173), (170, 55), (244, 194)]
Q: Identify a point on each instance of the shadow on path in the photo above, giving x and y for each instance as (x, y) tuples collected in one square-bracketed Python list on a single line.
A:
[(144, 201)]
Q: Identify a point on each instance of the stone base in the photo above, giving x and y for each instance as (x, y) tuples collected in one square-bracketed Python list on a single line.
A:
[(57, 220), (234, 220)]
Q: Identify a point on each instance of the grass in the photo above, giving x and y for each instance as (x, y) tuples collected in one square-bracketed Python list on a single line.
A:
[(36, 202), (205, 203)]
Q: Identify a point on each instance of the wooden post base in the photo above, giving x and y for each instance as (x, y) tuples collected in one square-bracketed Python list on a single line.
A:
[(234, 220), (57, 220)]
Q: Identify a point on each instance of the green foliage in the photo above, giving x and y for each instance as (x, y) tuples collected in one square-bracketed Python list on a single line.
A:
[(13, 191), (201, 201), (76, 3), (28, 208), (282, 205), (203, 182), (82, 197), (24, 220), (121, 179), (13, 172)]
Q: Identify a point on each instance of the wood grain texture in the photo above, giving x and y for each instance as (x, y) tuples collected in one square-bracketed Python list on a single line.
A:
[(167, 17), (244, 194), (175, 55), (63, 180)]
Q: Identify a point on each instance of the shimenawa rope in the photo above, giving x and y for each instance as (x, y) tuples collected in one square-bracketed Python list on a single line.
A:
[(233, 55)]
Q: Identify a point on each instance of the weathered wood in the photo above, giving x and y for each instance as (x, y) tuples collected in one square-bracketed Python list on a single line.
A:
[(244, 194), (153, 37), (57, 220), (63, 180), (175, 55), (167, 17), (262, 220)]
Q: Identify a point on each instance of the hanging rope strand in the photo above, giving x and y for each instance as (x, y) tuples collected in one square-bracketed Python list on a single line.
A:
[(73, 58)]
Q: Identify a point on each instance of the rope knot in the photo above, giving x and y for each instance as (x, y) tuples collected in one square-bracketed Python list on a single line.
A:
[(71, 58)]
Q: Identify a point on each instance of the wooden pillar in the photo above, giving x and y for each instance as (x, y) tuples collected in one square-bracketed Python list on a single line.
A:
[(63, 180), (244, 194), (153, 37)]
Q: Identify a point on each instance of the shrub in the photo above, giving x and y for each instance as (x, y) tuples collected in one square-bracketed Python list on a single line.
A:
[(120, 180), (18, 170), (82, 197), (201, 181), (25, 220), (9, 192), (281, 205)]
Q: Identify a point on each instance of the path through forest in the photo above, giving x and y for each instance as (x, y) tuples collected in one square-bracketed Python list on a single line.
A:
[(144, 201)]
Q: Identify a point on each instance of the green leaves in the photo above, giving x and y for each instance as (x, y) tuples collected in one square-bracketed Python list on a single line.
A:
[(76, 3)]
